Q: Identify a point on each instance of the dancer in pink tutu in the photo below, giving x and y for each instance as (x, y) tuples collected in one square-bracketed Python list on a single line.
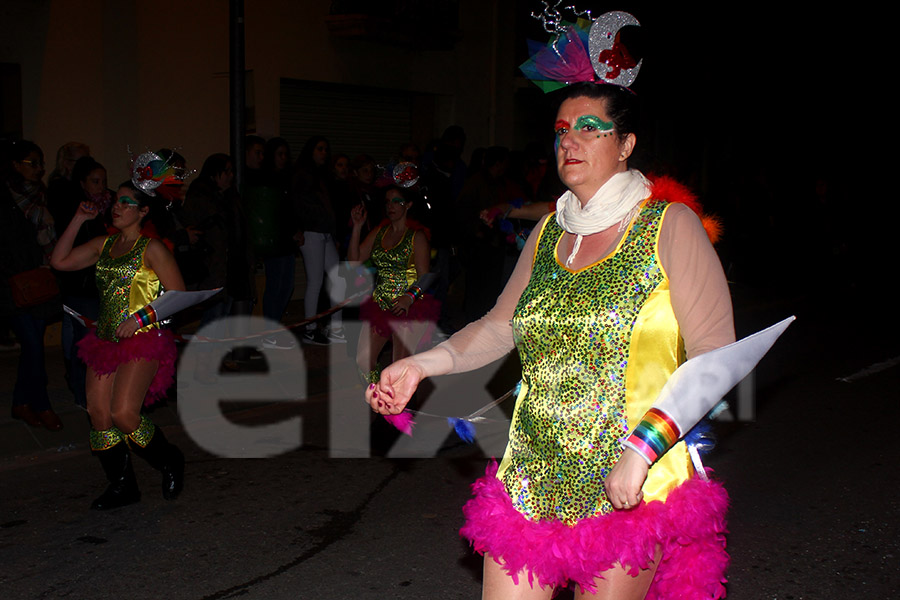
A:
[(131, 361), (398, 311), (610, 295)]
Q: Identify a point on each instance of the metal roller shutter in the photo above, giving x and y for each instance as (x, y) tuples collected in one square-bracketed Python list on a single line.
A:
[(354, 119)]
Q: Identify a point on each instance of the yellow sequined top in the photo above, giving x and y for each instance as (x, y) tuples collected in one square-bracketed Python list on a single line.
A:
[(596, 347), (125, 285), (396, 267)]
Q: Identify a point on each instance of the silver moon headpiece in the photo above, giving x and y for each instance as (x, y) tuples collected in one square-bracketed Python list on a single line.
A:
[(602, 38)]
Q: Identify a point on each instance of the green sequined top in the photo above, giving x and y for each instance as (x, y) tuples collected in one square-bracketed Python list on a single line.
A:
[(396, 267), (574, 331), (125, 285)]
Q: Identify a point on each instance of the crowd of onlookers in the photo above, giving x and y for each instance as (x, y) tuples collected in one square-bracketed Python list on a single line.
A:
[(286, 208)]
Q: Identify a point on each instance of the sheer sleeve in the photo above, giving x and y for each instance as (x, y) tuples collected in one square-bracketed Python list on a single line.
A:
[(700, 297), (702, 306), (490, 337)]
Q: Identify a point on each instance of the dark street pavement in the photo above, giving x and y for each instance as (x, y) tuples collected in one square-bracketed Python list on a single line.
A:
[(813, 480)]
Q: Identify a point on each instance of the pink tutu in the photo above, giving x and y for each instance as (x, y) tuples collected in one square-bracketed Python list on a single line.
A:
[(689, 528), (426, 308), (104, 357)]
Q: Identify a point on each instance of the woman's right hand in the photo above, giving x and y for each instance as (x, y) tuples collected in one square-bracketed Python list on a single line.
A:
[(395, 388), (358, 214), (86, 211)]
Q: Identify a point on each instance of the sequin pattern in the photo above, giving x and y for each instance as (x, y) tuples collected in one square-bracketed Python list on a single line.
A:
[(115, 277), (144, 433), (396, 268), (573, 332), (106, 439)]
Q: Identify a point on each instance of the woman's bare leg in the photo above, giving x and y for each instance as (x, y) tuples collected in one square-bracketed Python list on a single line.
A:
[(99, 392), (368, 349), (618, 584), (498, 585), (407, 337), (131, 383)]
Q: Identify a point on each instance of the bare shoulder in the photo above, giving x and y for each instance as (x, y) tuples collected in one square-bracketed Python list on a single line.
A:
[(156, 247)]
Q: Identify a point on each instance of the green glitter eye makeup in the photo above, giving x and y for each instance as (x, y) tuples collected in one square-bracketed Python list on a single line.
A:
[(128, 201), (591, 123)]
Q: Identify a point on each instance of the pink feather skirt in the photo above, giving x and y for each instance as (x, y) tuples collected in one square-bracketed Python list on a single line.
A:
[(426, 308), (689, 529), (104, 357)]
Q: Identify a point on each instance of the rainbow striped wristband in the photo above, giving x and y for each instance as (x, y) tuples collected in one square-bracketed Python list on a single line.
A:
[(145, 316), (656, 433)]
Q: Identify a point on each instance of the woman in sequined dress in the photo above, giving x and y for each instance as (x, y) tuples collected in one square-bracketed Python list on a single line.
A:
[(610, 294), (398, 311), (130, 360)]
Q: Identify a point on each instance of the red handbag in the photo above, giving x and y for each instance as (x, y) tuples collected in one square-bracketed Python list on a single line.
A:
[(33, 287)]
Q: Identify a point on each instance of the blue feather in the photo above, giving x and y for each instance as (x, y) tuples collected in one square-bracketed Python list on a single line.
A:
[(701, 437), (464, 429)]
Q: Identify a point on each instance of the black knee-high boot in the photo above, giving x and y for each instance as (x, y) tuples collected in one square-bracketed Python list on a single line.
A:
[(112, 450), (148, 442)]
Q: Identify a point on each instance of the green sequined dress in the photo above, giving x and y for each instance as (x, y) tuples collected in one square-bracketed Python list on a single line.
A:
[(126, 285)]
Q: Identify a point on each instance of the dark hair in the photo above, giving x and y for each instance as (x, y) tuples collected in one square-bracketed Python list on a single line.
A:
[(21, 149), (621, 104), (214, 165), (305, 159), (361, 160), (84, 166), (271, 147), (454, 135), (252, 140), (17, 152), (404, 193)]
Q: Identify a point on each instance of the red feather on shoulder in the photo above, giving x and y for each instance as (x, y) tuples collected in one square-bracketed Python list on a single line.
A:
[(666, 188)]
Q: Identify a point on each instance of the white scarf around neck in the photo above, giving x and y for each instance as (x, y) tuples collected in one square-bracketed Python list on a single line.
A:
[(610, 204)]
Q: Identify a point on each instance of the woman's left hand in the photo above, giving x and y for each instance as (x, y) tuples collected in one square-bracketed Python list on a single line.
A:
[(624, 482), (127, 328), (402, 304)]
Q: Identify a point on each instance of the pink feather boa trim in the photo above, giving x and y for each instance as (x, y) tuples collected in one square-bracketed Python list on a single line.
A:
[(689, 528), (427, 308), (104, 357)]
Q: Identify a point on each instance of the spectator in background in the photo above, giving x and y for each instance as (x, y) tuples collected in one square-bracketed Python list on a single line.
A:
[(276, 163), (278, 235), (362, 174), (271, 225), (444, 174), (212, 209), (254, 155), (320, 254), (78, 288), (66, 157), (340, 188), (27, 236), (485, 249)]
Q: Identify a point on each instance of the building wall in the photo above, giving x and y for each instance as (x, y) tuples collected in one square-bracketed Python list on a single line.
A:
[(120, 73)]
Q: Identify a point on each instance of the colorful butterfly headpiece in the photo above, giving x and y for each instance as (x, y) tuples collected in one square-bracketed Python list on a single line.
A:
[(587, 50)]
